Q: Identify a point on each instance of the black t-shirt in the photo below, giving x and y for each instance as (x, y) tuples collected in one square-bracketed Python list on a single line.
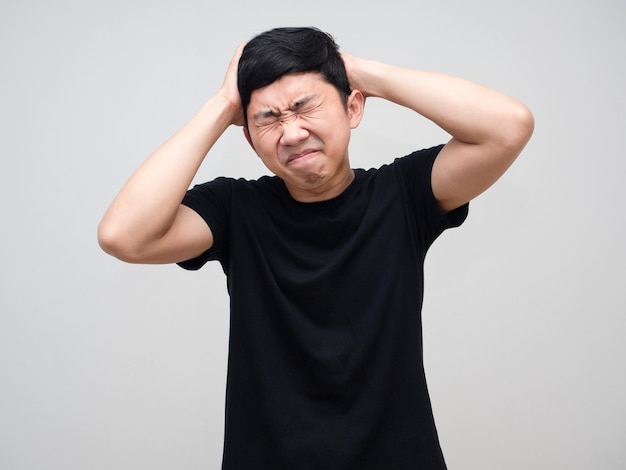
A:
[(325, 365)]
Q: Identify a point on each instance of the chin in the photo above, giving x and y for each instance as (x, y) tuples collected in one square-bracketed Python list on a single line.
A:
[(313, 179)]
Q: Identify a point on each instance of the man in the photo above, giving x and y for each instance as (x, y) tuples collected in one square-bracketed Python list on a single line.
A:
[(324, 262)]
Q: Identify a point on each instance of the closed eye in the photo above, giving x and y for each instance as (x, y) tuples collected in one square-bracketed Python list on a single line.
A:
[(266, 118), (304, 105), (269, 117)]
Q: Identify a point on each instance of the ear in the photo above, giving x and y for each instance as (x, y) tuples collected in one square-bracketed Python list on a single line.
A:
[(356, 107), (246, 133)]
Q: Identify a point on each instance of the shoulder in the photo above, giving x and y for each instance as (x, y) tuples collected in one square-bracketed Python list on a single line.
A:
[(419, 160), (410, 172)]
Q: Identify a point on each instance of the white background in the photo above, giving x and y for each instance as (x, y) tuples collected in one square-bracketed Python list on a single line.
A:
[(105, 365)]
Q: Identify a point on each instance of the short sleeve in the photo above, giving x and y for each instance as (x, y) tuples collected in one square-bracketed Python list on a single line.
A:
[(414, 173), (212, 201)]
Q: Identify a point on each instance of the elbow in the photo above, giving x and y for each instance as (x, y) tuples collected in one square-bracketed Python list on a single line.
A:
[(526, 123), (521, 124), (109, 240), (511, 134), (115, 243)]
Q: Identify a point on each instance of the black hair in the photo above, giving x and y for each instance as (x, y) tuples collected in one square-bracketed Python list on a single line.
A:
[(281, 51)]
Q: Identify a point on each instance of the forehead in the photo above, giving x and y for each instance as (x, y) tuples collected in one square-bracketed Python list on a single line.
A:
[(281, 93)]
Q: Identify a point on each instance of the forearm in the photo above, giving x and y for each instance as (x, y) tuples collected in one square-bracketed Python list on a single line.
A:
[(146, 206), (469, 112)]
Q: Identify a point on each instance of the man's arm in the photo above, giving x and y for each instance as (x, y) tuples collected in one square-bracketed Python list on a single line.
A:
[(146, 222), (488, 128)]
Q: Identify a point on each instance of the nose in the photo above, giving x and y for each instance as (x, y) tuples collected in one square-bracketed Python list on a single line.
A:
[(292, 131)]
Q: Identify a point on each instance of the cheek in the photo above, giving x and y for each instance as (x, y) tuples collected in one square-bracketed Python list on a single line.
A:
[(266, 150), (339, 135), (263, 142)]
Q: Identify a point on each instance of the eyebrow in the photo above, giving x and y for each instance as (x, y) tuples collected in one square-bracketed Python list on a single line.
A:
[(302, 101), (295, 106), (266, 113)]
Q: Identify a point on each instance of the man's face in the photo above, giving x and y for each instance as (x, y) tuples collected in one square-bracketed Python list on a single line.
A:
[(300, 128)]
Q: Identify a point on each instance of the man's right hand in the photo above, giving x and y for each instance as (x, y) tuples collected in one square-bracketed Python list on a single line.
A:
[(146, 223), (229, 89)]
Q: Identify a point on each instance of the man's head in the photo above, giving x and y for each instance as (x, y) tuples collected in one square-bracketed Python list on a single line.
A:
[(282, 51), (299, 110)]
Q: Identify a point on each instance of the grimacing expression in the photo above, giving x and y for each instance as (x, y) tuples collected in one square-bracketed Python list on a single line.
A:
[(300, 127)]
